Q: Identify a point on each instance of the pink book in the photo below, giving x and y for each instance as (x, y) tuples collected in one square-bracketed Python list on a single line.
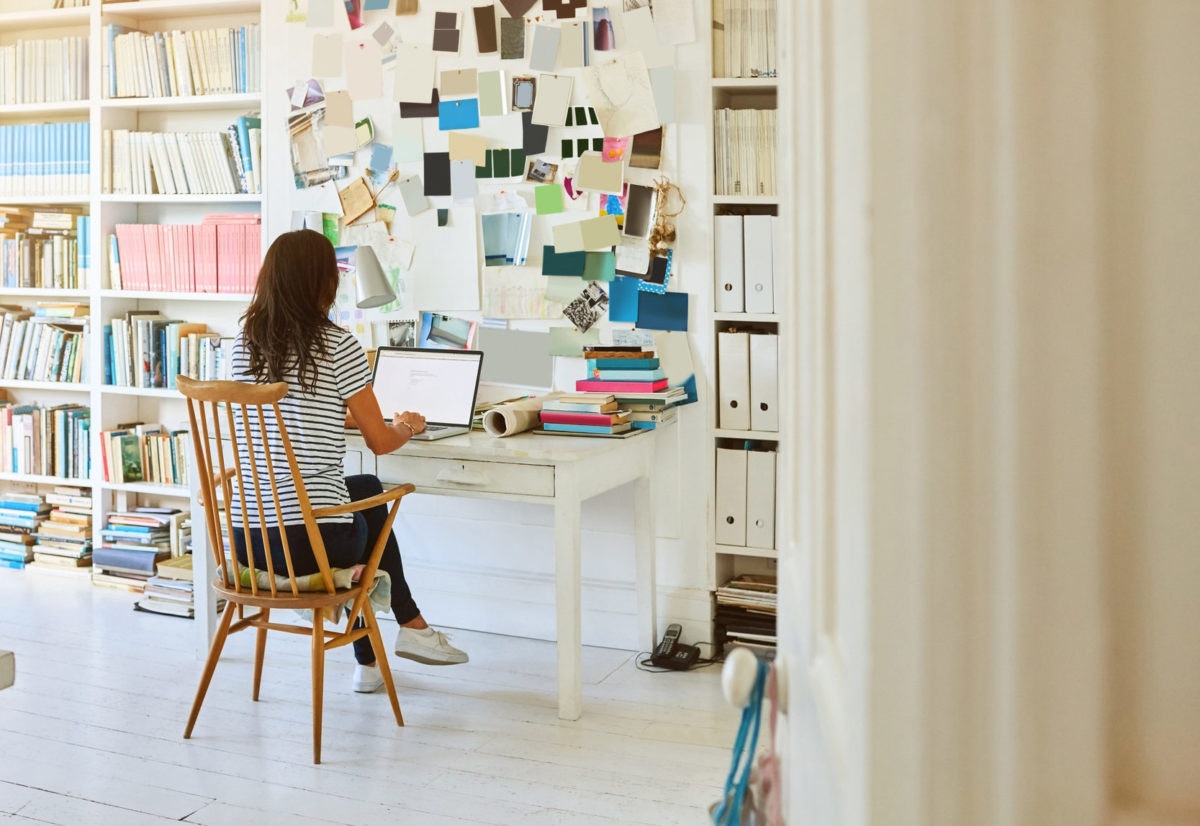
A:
[(141, 267), (566, 417), (600, 386), (204, 240)]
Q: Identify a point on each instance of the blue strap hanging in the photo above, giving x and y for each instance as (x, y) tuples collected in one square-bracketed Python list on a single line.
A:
[(728, 810)]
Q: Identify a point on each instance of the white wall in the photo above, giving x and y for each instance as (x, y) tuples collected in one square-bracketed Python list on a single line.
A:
[(489, 566)]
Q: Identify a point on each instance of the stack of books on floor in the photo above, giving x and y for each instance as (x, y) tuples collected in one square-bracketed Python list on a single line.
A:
[(132, 543), (170, 590), (590, 413), (21, 514), (64, 540), (746, 611)]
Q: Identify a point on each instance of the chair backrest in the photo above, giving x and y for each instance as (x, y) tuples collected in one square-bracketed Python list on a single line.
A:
[(229, 422)]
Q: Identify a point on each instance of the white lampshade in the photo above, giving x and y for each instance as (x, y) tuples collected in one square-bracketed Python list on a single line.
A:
[(371, 286)]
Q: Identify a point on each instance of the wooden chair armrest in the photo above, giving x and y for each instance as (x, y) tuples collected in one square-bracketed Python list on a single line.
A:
[(362, 504), (224, 480)]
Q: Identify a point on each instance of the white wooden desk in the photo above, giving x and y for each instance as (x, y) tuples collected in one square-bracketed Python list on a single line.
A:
[(560, 471)]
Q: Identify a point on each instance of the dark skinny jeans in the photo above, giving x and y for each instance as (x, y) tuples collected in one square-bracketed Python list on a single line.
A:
[(346, 544)]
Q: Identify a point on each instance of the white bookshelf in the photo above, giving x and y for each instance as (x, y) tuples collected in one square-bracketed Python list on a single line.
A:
[(736, 93), (112, 405)]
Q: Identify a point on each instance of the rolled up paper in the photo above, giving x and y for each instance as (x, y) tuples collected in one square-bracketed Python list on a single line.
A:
[(515, 417)]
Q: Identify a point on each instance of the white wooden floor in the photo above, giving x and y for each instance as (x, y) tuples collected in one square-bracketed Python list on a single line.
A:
[(91, 732)]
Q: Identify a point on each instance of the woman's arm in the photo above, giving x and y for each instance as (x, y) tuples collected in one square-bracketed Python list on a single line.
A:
[(381, 437)]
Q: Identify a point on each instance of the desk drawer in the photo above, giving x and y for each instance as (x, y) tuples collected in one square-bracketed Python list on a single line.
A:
[(456, 474)]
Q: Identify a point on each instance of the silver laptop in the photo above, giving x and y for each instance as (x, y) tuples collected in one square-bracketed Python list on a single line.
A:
[(439, 384)]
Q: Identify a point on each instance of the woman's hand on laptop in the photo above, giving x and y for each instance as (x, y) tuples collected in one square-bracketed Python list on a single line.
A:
[(414, 422)]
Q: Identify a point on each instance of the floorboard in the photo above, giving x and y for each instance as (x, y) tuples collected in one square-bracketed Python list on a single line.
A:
[(91, 731)]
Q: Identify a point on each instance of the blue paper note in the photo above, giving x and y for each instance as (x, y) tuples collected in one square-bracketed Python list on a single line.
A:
[(668, 311), (458, 114), (381, 156), (376, 5), (623, 299)]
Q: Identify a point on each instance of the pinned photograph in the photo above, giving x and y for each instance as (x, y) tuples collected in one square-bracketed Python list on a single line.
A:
[(587, 308), (402, 333), (541, 172)]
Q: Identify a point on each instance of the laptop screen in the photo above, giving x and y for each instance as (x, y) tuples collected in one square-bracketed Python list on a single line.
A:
[(438, 384)]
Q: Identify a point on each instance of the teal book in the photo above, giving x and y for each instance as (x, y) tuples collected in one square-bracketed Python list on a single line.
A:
[(585, 428), (628, 375), (622, 364)]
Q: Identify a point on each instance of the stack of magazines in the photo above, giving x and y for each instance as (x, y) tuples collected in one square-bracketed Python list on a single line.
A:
[(746, 611)]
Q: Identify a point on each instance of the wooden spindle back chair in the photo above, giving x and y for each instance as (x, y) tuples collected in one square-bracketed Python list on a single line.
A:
[(229, 424)]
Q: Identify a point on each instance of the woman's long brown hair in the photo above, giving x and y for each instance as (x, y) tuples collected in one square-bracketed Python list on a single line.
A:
[(285, 324)]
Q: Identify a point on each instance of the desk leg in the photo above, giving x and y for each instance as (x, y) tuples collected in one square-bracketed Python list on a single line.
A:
[(644, 552), (567, 596)]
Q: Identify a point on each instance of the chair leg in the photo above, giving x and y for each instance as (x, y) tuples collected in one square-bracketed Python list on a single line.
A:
[(376, 638), (260, 647), (210, 665), (318, 678)]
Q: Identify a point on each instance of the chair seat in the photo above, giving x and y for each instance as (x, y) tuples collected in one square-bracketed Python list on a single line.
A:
[(303, 600)]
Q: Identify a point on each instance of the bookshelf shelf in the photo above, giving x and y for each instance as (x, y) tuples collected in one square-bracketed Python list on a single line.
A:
[(744, 318), (66, 108), (143, 295), (147, 392), (190, 103), (174, 491), (742, 83), (740, 550), (44, 200), (180, 199), (158, 9), (67, 386), (749, 435), (746, 200), (43, 292), (36, 479), (35, 19)]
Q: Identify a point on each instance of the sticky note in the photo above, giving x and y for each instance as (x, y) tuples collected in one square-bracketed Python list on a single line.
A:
[(548, 199)]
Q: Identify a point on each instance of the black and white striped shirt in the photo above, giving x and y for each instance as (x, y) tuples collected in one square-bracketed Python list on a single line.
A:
[(315, 424)]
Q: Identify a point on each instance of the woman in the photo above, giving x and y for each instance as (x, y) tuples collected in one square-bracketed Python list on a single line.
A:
[(287, 336)]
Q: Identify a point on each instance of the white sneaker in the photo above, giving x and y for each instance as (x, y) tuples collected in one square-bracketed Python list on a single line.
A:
[(367, 678), (428, 646)]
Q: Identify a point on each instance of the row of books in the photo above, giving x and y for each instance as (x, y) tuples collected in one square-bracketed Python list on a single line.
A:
[(40, 348), (49, 259), (142, 452), (744, 43), (148, 349), (177, 163), (181, 63), (221, 254), (746, 610), (45, 441), (20, 516), (45, 159), (744, 152), (171, 589), (44, 71)]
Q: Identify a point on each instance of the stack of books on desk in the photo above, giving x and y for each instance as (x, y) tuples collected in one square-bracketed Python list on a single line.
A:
[(746, 612), (593, 413), (637, 382)]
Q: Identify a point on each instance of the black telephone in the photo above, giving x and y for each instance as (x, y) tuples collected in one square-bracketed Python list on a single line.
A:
[(671, 653)]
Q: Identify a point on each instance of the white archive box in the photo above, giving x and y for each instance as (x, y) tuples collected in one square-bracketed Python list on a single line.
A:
[(758, 263), (733, 380), (760, 498), (730, 497), (764, 382), (728, 282)]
